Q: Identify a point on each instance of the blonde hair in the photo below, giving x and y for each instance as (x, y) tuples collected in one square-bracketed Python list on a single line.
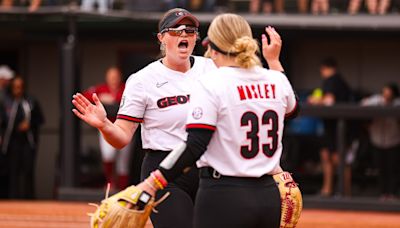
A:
[(232, 34)]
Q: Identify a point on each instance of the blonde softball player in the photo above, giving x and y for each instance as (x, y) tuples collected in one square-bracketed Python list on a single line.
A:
[(235, 127)]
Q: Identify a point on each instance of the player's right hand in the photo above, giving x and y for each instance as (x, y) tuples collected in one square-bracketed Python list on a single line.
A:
[(93, 114)]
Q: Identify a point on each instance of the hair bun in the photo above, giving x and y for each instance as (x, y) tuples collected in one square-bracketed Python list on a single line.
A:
[(246, 47)]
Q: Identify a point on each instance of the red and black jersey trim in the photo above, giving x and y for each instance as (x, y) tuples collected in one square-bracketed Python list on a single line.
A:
[(296, 110), (292, 114), (201, 126), (130, 118)]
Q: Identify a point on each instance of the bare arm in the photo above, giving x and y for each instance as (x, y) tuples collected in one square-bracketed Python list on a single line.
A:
[(118, 134)]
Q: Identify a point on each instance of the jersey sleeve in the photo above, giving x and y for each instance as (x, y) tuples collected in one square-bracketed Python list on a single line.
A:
[(133, 102), (203, 109), (291, 98)]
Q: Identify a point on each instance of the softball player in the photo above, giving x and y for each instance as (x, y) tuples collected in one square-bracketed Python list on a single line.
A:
[(158, 98), (235, 127)]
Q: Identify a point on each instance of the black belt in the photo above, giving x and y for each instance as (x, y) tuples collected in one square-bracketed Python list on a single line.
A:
[(209, 172)]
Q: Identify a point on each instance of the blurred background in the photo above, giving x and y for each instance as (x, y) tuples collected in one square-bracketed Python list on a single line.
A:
[(344, 153)]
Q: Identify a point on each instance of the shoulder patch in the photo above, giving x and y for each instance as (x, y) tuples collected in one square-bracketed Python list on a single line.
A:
[(197, 113)]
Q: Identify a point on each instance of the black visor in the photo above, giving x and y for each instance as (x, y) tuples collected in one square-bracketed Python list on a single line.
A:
[(175, 17)]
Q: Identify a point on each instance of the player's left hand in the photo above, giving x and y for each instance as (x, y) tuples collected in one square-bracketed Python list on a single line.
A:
[(145, 187), (272, 50), (128, 208), (150, 186)]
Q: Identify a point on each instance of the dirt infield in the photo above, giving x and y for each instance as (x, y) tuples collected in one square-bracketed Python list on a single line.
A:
[(40, 214), (351, 219)]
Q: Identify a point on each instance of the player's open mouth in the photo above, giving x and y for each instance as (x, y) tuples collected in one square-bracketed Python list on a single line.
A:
[(183, 44)]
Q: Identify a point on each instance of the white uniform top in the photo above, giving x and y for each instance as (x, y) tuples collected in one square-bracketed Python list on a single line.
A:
[(246, 108), (158, 97)]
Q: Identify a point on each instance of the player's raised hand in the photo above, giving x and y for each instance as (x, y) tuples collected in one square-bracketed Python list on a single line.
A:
[(272, 50), (93, 114)]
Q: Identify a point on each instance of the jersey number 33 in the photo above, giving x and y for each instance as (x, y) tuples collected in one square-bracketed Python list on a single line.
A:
[(251, 119)]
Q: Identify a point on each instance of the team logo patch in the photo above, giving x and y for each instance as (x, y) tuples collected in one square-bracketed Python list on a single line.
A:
[(197, 113)]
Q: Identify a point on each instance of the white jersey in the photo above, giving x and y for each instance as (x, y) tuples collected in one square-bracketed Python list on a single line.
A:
[(246, 108), (157, 97)]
